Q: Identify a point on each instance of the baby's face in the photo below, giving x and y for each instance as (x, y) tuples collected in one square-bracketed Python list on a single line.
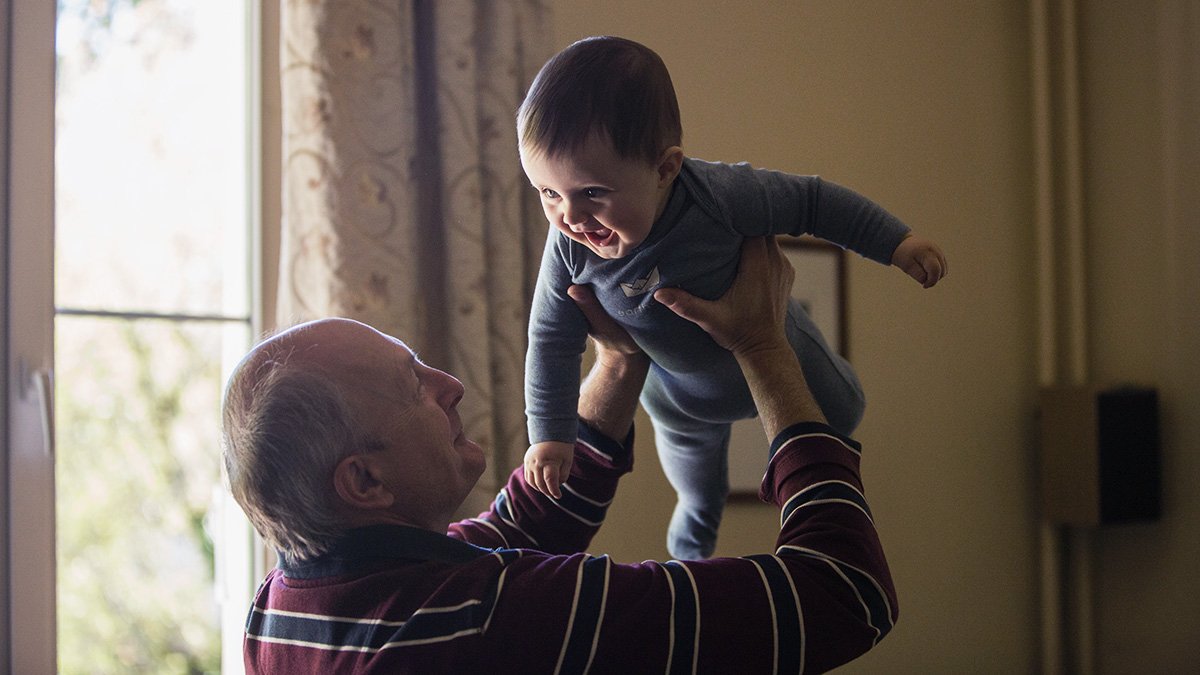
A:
[(599, 199)]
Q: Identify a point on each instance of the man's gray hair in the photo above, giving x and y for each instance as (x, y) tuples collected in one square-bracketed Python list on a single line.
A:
[(285, 426)]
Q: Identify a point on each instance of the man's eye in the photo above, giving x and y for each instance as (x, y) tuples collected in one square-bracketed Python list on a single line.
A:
[(549, 194), (594, 193)]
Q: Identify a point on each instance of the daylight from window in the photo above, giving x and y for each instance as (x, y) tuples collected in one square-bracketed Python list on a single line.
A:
[(151, 277)]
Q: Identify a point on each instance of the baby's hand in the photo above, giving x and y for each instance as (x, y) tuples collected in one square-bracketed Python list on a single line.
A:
[(547, 465), (921, 259)]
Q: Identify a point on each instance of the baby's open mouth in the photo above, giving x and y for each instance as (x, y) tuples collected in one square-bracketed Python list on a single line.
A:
[(599, 237)]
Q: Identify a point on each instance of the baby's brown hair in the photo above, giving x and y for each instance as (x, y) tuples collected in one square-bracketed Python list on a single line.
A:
[(607, 85)]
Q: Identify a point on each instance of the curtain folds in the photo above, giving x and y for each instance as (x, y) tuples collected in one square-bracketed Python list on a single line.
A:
[(404, 201)]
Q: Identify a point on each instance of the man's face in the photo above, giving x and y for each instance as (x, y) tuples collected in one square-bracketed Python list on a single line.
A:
[(428, 462), (599, 199)]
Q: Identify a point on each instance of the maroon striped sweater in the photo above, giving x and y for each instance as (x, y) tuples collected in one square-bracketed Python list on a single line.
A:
[(512, 592)]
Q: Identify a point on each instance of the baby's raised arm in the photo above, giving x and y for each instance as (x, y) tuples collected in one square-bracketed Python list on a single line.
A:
[(607, 398)]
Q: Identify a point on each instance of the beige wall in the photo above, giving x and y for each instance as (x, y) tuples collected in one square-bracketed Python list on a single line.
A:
[(925, 106), (1141, 96)]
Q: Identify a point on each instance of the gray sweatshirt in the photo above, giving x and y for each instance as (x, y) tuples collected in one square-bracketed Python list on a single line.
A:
[(694, 245)]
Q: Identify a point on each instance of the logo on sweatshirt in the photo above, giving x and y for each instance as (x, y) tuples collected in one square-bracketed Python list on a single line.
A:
[(641, 286)]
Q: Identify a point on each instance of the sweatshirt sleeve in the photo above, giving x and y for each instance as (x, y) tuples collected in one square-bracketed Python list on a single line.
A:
[(557, 338), (760, 202)]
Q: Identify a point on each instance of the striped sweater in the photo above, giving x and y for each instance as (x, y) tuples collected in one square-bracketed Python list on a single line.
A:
[(512, 592)]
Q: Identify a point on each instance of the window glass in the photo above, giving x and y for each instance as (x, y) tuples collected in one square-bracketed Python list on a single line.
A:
[(150, 153), (137, 477), (152, 289)]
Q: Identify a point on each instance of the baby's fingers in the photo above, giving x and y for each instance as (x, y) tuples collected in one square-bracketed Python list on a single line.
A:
[(533, 478), (550, 481), (916, 270), (534, 475), (935, 268)]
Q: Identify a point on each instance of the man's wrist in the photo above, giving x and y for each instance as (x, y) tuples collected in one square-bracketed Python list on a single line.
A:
[(778, 386), (621, 364), (609, 396), (764, 353)]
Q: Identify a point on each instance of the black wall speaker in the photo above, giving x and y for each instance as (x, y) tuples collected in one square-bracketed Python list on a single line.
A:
[(1100, 455)]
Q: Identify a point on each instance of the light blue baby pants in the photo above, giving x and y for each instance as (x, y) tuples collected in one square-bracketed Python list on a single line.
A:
[(691, 429)]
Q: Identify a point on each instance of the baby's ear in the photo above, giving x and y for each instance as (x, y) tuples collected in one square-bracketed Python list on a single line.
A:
[(669, 165)]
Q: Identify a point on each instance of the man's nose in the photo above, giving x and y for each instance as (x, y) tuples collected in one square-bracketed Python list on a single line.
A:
[(450, 389)]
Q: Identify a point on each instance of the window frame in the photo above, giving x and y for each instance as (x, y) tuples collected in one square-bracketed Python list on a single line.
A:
[(29, 644), (27, 312)]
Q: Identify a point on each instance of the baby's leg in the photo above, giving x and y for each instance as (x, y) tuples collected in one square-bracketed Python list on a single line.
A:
[(833, 382), (695, 457)]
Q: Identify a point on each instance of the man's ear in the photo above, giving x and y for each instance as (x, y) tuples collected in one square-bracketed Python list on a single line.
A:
[(669, 165), (358, 483)]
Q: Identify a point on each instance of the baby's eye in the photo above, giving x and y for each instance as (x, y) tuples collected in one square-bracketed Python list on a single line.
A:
[(549, 194), (594, 192)]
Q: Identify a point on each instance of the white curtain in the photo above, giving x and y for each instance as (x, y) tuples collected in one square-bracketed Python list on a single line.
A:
[(404, 201)]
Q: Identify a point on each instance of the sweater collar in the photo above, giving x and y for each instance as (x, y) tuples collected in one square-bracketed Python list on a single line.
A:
[(365, 546)]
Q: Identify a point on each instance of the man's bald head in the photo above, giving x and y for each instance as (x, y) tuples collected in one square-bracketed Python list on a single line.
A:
[(288, 419)]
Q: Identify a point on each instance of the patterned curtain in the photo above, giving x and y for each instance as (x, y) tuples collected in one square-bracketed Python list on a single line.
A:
[(404, 201)]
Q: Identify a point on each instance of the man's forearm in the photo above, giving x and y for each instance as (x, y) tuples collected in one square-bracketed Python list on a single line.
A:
[(777, 384), (609, 394)]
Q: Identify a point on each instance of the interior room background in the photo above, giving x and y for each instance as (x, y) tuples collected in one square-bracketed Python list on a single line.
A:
[(1051, 147)]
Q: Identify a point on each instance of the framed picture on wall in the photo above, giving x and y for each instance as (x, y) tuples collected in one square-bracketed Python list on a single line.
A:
[(820, 287)]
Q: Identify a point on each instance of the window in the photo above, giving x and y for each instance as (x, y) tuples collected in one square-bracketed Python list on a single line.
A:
[(155, 206)]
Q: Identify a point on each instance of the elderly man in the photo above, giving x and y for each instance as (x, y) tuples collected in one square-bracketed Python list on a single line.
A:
[(349, 456)]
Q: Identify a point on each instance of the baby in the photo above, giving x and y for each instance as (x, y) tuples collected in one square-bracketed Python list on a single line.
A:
[(599, 134)]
